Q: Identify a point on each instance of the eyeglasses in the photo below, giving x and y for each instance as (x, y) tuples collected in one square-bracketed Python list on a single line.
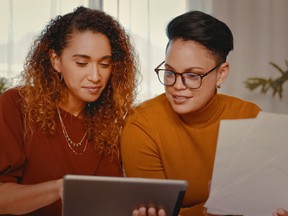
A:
[(189, 79)]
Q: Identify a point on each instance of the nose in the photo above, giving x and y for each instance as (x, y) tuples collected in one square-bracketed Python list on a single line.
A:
[(179, 82), (94, 74)]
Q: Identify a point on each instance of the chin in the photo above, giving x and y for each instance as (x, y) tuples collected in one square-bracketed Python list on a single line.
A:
[(180, 109), (92, 98), (184, 108)]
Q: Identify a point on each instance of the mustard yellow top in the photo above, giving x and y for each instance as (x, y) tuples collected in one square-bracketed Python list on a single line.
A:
[(158, 143)]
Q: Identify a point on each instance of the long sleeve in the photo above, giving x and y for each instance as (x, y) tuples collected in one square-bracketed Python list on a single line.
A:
[(12, 156)]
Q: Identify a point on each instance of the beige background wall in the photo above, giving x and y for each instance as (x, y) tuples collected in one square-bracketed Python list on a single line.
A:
[(260, 31)]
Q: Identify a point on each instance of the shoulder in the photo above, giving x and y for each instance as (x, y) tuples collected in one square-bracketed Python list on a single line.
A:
[(238, 107), (236, 101), (10, 100), (151, 110), (11, 95)]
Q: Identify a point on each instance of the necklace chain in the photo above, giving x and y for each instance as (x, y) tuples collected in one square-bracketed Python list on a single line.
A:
[(70, 143)]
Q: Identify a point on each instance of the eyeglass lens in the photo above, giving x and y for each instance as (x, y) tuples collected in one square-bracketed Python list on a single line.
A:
[(168, 78)]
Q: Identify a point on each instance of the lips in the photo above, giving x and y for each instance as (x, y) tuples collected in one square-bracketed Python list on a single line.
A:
[(178, 99), (93, 89)]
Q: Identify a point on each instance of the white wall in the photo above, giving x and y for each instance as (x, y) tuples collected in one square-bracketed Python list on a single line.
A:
[(260, 32)]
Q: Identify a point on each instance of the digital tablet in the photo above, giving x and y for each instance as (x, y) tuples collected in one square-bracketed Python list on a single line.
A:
[(118, 196)]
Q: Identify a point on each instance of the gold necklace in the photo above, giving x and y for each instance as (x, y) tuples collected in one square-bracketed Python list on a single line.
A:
[(70, 143)]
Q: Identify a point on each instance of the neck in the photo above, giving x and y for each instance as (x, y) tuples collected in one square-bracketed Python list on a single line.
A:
[(75, 110)]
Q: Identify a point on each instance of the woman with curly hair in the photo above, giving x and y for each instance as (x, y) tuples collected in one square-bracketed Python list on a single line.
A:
[(78, 83)]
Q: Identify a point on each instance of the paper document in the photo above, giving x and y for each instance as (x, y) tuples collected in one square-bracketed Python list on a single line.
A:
[(250, 175)]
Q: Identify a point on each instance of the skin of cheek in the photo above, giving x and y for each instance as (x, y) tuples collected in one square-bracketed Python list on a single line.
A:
[(198, 98)]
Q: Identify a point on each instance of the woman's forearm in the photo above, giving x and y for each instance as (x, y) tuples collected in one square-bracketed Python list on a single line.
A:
[(20, 199)]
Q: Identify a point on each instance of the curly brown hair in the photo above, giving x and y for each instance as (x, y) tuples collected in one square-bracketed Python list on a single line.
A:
[(43, 90)]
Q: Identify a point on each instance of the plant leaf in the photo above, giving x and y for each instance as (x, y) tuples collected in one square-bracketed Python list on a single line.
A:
[(277, 67)]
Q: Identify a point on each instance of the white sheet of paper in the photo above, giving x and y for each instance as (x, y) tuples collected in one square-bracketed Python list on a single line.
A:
[(231, 136), (254, 182)]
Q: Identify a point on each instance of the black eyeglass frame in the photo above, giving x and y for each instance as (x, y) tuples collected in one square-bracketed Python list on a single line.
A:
[(157, 69)]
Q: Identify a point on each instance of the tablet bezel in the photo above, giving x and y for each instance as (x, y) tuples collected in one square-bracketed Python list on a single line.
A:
[(104, 195)]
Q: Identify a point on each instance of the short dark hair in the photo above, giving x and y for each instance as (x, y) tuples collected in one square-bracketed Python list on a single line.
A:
[(205, 29)]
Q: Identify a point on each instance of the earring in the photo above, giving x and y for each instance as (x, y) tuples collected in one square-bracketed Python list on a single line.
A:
[(60, 76), (219, 86)]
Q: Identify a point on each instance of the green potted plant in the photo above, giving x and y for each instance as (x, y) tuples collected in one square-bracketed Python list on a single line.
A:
[(276, 85), (4, 84)]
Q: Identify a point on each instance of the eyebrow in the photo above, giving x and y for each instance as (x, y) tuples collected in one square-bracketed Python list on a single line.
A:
[(186, 70), (88, 57)]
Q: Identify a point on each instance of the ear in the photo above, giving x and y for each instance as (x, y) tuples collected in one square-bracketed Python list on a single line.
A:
[(55, 60), (222, 73)]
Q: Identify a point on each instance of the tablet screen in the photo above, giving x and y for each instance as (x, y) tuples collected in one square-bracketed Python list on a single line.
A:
[(117, 196)]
